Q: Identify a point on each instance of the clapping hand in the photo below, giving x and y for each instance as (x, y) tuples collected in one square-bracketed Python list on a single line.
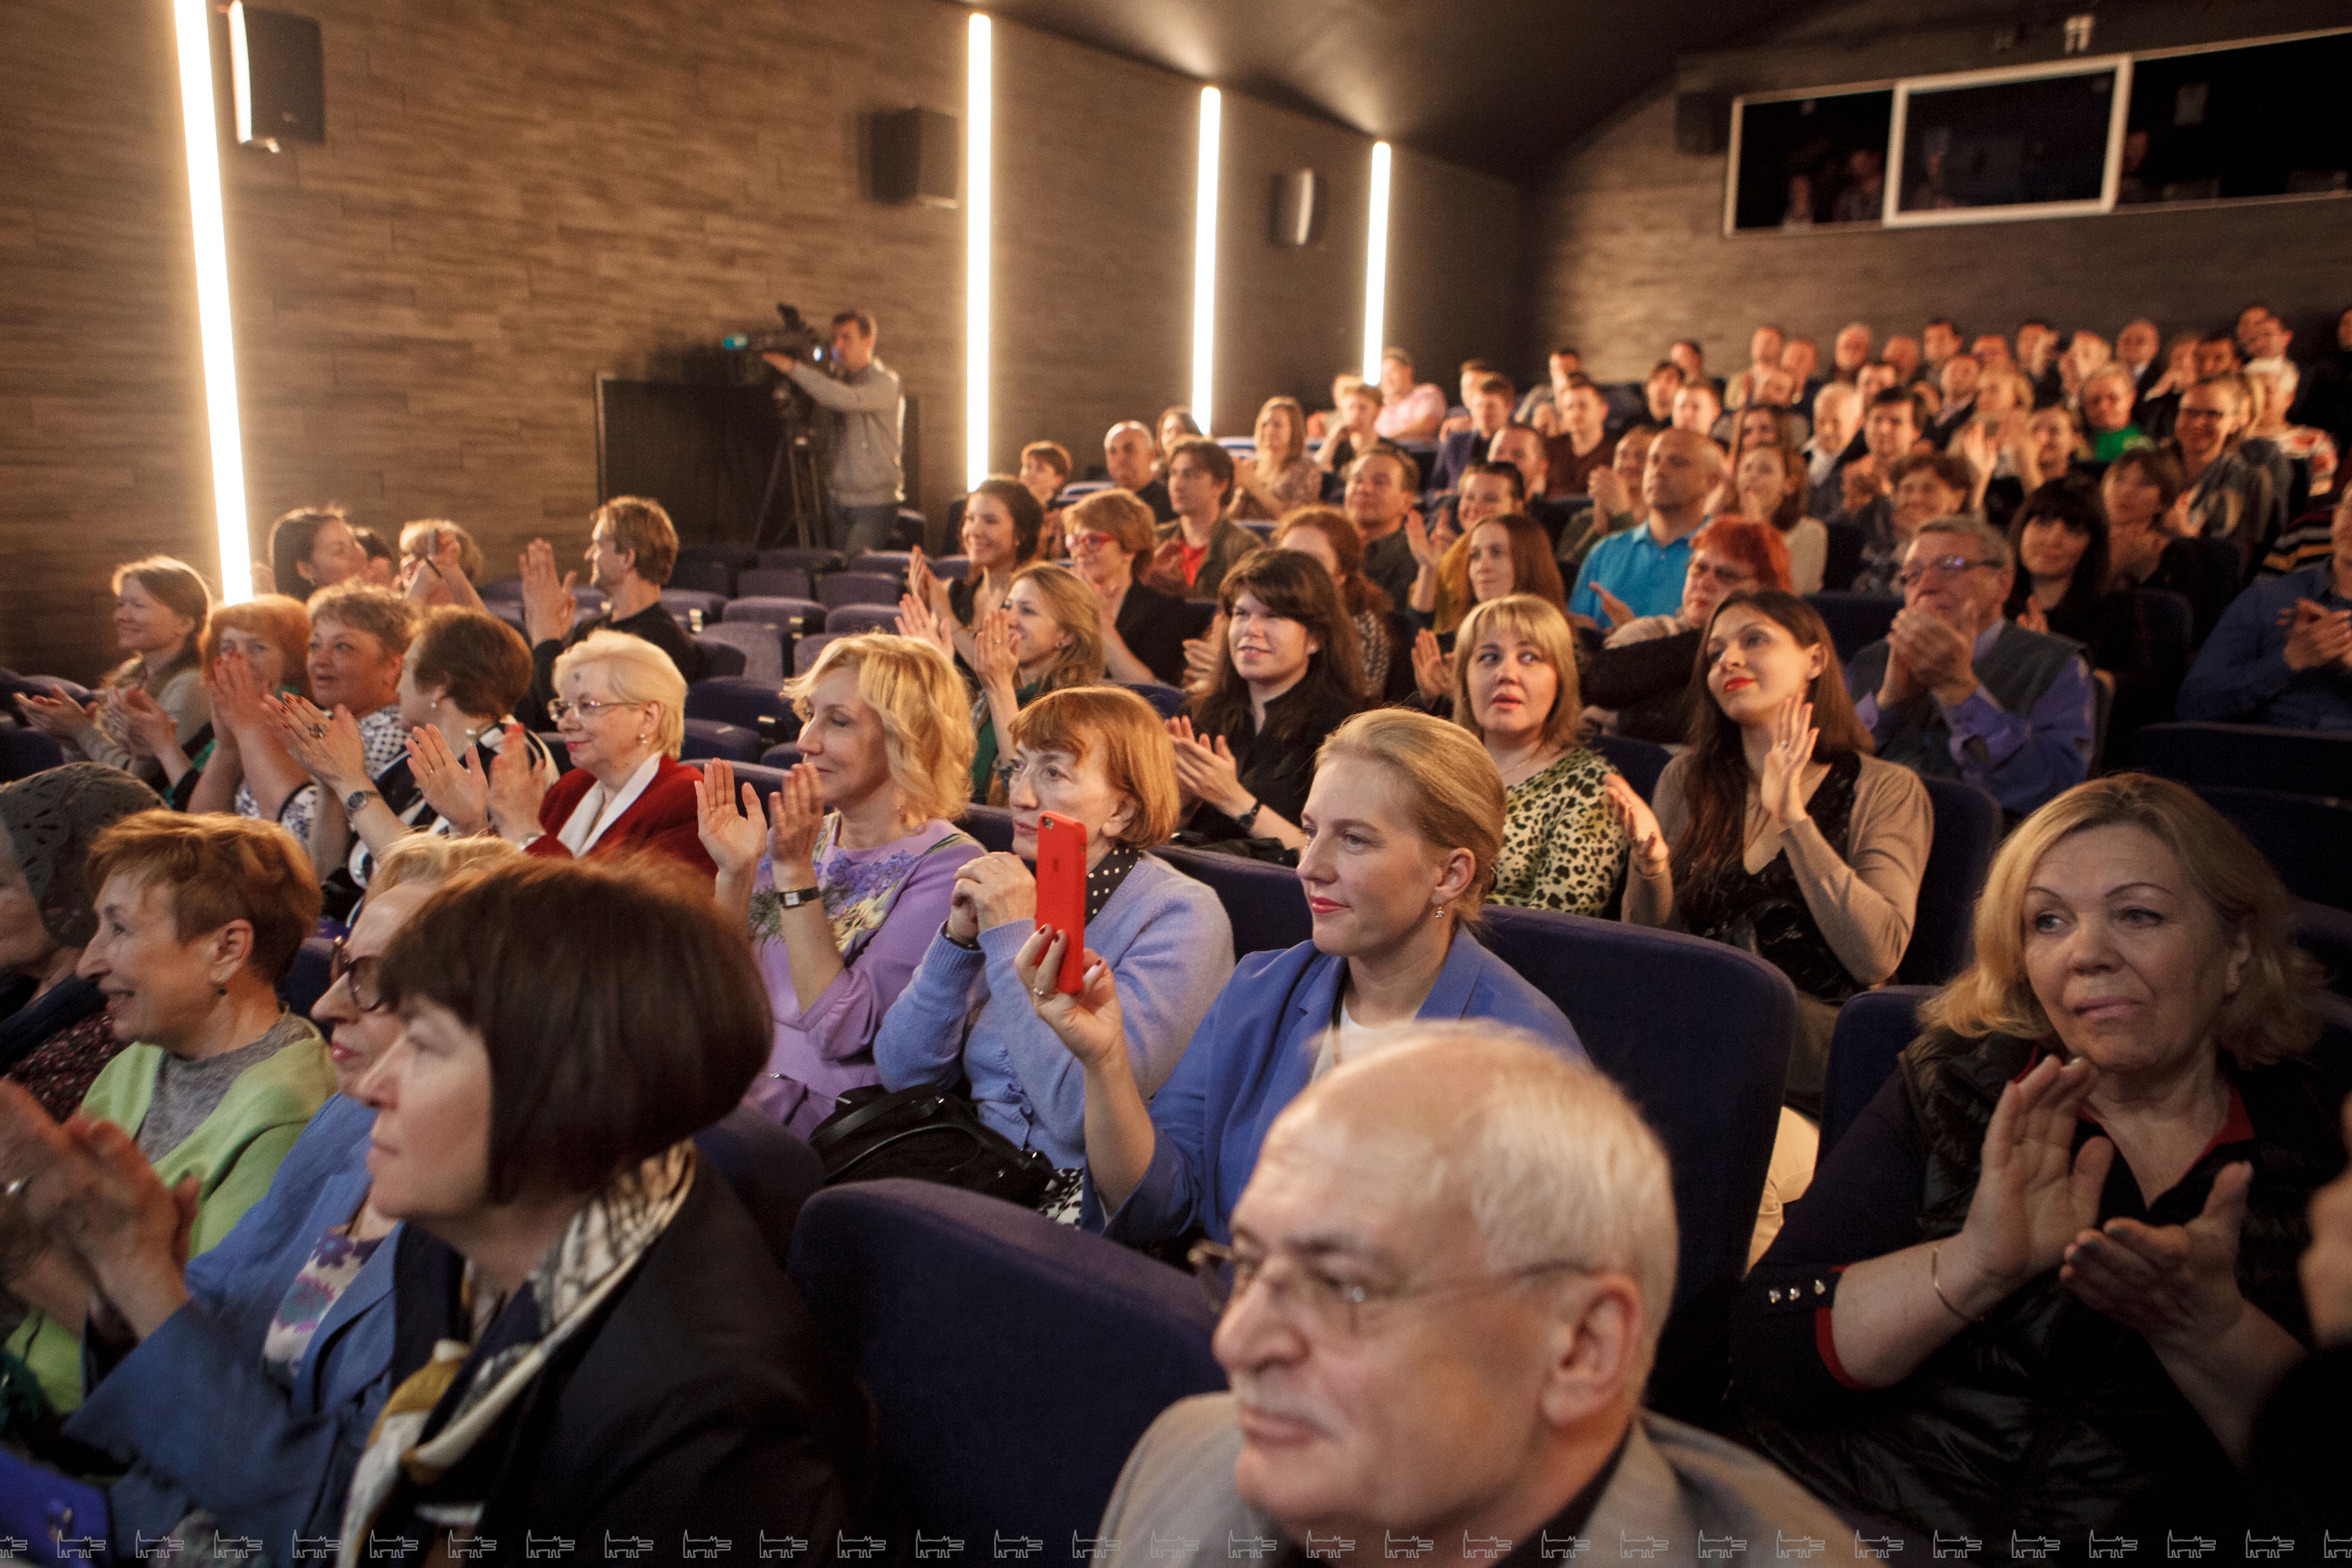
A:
[(2035, 1193), (1652, 859), (918, 620), (1935, 654), (1782, 789), (991, 891), (1433, 667), (1609, 497), (2176, 1285), (1977, 447), (931, 588), (1088, 1024), (2316, 635), (1615, 609), (238, 696), (994, 660), (1426, 550), (732, 837), (1201, 654), (59, 718), (148, 728), (548, 605), (328, 746), (88, 1187), (515, 788), (1205, 768), (458, 793), (2032, 616)]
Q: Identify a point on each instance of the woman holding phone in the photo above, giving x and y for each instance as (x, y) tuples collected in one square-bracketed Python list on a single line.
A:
[(1097, 757)]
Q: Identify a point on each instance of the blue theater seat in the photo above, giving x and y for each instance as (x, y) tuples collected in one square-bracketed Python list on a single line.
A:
[(839, 588), (1968, 830), (1640, 761), (1872, 1030), (709, 738), (772, 1171)]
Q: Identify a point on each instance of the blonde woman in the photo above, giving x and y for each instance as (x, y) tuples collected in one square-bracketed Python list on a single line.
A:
[(848, 873), (1048, 635), (1281, 477), (160, 607)]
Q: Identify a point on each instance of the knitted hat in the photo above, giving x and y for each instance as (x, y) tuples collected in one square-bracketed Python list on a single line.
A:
[(51, 817)]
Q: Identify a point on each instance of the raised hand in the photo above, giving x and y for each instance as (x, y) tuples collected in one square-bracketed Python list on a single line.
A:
[(1607, 488), (59, 718), (918, 620), (327, 745), (1977, 446), (1616, 610), (548, 605), (2176, 1285), (931, 588), (2035, 1194), (2032, 616), (994, 659), (147, 729), (515, 788), (1202, 657), (1426, 550), (237, 693), (796, 817), (459, 794), (1433, 668), (732, 837), (1206, 771), (1650, 856), (1782, 788), (1088, 1025)]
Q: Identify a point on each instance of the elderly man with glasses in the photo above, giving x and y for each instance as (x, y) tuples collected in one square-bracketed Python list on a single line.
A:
[(1955, 691), (1445, 1286)]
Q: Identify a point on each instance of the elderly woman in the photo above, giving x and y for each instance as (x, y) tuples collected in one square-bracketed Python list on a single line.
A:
[(595, 1337), (268, 635), (1097, 757), (1383, 637), (1287, 677), (2051, 1270), (197, 918), (160, 607), (458, 686), (1514, 691), (286, 1325), (1406, 818), (1280, 477), (1142, 629), (1639, 681), (359, 639), (53, 1034), (850, 871)]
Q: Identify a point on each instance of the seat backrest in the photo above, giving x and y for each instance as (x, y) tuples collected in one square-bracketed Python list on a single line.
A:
[(2326, 933), (737, 701), (2262, 757), (1841, 554), (1872, 1030), (850, 619), (1968, 830), (775, 582), (2306, 838), (1640, 761), (771, 1172), (709, 576), (24, 753), (709, 738), (1014, 1362), (991, 824), (1166, 701), (1265, 903), (957, 567), (799, 615), (836, 589), (1199, 615), (720, 658), (501, 588), (806, 648), (1855, 620), (780, 760), (768, 777), (884, 562), (301, 986), (681, 602), (807, 558), (762, 647)]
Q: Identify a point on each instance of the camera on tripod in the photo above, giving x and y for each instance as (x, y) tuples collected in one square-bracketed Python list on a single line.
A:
[(796, 468), (794, 339)]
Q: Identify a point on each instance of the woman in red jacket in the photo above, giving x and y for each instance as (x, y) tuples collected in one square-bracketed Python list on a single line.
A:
[(621, 713)]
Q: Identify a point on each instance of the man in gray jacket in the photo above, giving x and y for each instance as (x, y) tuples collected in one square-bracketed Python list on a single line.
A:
[(869, 408), (1446, 1283)]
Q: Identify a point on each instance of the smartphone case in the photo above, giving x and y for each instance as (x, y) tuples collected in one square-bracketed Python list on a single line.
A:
[(1062, 891)]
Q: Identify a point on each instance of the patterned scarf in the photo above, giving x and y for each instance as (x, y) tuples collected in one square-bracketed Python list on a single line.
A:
[(592, 1260)]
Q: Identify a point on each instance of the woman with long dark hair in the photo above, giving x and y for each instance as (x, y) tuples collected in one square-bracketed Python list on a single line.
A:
[(2061, 539), (1383, 637), (1287, 677)]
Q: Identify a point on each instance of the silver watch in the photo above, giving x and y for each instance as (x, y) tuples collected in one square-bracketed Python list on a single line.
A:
[(356, 799)]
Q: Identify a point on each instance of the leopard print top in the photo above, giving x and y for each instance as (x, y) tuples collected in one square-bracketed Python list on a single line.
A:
[(1562, 847)]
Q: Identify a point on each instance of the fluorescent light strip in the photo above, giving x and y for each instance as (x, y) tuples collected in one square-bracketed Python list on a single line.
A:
[(1205, 261), (981, 107), (193, 20), (1376, 265)]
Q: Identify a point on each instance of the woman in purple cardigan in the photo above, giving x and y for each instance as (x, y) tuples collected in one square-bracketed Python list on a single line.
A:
[(846, 876)]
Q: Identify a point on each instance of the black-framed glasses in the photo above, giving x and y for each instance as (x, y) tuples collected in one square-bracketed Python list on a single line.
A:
[(367, 992), (1329, 1307), (1950, 565)]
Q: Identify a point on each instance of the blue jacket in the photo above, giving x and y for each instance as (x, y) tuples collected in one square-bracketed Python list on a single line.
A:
[(2242, 678), (196, 1415), (1254, 1052)]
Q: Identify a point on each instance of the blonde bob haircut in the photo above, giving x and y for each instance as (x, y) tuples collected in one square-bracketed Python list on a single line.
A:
[(1077, 610), (1539, 621), (637, 672), (1121, 728), (925, 714), (2269, 1019), (1453, 797), (429, 859)]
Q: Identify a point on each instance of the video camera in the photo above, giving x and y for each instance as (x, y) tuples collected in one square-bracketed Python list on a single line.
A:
[(794, 339)]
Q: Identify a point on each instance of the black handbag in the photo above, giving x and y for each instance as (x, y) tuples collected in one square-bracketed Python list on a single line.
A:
[(928, 1135)]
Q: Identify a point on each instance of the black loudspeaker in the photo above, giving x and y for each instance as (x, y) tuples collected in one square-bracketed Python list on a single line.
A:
[(915, 157), (277, 71), (1298, 207), (1702, 122)]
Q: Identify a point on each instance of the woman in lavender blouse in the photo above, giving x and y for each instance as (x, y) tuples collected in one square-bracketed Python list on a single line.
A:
[(846, 876)]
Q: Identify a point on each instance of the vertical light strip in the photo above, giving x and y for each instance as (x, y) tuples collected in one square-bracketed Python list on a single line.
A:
[(981, 111), (1376, 265), (193, 18), (1205, 261)]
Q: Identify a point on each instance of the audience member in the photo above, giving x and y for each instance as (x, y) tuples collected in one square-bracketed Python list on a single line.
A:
[(440, 564), (2138, 493), (1584, 442), (1641, 681), (2283, 653), (1383, 637), (1547, 402), (1110, 533), (2217, 355), (1003, 528), (1045, 470), (53, 1032), (1958, 378), (1490, 410), (1764, 345), (1645, 566), (2275, 389), (1501, 555), (660, 1371), (1957, 691), (1890, 429), (312, 548), (1287, 675), (1770, 485), (1998, 444), (2059, 538), (1410, 411), (1048, 635), (1698, 407), (1902, 353), (1515, 689), (1569, 522), (1353, 431), (270, 635), (1850, 351), (2230, 495), (1097, 757), (861, 836), (1489, 489), (2109, 1127), (160, 608), (1201, 545), (1800, 360), (2107, 395), (1406, 821), (1690, 358), (1616, 490), (2139, 349), (1383, 487), (1837, 422), (632, 548), (197, 917), (1940, 345), (622, 718), (1280, 476), (1924, 486), (383, 568), (1130, 461), (1176, 427), (1658, 389)]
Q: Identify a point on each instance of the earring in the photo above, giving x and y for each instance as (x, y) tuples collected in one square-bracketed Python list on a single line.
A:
[(220, 990)]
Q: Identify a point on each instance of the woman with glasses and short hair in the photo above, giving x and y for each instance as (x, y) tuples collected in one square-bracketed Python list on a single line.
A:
[(1143, 629)]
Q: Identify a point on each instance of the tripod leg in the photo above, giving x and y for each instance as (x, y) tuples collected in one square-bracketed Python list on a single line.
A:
[(768, 496)]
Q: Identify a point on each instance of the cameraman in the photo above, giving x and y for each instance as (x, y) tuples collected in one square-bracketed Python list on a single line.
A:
[(868, 482)]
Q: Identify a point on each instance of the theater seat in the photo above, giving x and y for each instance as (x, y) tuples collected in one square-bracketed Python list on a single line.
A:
[(955, 567), (806, 648), (762, 648), (1166, 701), (2259, 756), (24, 753), (850, 619), (1855, 620), (301, 986), (771, 1171), (891, 564), (1013, 1362), (775, 582), (1872, 1030), (2306, 838), (769, 777), (722, 659), (709, 738), (1968, 829), (2326, 933), (780, 760), (809, 559), (793, 616), (703, 573), (1640, 761), (754, 705), (991, 824), (839, 588), (1264, 902)]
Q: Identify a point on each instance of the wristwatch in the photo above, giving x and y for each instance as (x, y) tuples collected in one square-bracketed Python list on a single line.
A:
[(1248, 820), (793, 898), (356, 799)]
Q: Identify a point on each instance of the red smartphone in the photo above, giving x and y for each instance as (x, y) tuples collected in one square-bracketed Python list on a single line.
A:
[(1062, 891)]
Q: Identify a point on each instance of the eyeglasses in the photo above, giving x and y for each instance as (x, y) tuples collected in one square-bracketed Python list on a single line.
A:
[(1327, 1307), (1947, 565), (1729, 577), (561, 708), (367, 994), (1093, 541)]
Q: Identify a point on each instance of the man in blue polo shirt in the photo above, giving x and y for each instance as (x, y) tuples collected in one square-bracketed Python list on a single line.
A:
[(1643, 567)]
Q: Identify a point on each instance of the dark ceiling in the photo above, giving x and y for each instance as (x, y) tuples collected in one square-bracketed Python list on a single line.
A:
[(1498, 85)]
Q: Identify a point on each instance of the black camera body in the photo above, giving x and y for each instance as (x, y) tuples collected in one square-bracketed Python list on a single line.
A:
[(793, 338)]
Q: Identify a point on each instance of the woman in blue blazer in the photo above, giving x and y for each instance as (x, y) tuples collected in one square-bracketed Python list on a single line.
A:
[(1403, 821)]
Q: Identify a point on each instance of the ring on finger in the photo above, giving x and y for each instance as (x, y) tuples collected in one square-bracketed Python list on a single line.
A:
[(16, 1189)]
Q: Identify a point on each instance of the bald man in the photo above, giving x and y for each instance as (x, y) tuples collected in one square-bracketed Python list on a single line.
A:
[(1130, 454), (1447, 1278), (1643, 567)]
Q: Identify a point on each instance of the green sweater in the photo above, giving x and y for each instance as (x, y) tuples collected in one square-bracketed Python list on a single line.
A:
[(234, 1154)]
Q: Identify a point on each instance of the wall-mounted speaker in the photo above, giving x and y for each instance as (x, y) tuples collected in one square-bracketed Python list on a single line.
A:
[(1298, 207), (917, 154), (1702, 122), (277, 77)]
